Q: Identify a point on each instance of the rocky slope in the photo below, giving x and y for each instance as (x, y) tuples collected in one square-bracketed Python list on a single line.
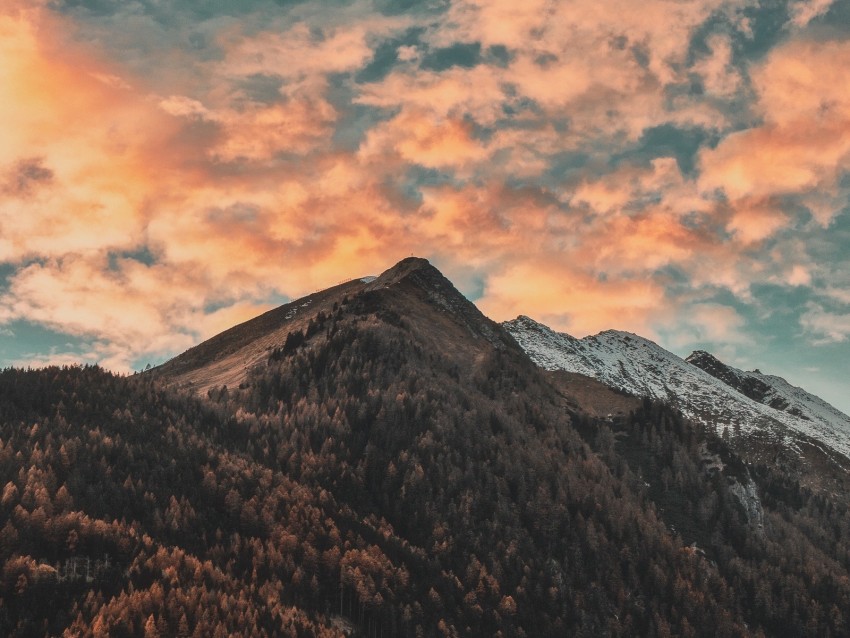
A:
[(703, 388)]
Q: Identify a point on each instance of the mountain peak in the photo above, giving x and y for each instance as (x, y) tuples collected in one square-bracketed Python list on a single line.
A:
[(524, 321), (401, 271), (421, 275), (745, 384), (758, 387), (227, 358), (431, 285), (702, 356)]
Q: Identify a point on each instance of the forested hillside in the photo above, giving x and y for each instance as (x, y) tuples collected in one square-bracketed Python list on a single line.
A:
[(395, 467)]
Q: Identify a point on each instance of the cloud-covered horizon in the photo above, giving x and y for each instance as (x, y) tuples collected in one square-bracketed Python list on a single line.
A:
[(673, 168)]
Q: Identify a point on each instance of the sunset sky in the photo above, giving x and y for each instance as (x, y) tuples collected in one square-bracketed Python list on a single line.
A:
[(678, 169)]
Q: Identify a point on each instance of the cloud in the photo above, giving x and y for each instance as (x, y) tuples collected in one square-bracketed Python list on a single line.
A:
[(570, 300), (719, 76), (802, 148), (419, 138), (754, 221), (82, 297), (121, 311), (260, 133), (565, 52), (212, 323), (841, 295), (798, 275), (565, 62), (457, 91), (659, 184), (825, 327), (110, 170), (76, 153), (804, 11), (182, 106), (161, 162), (714, 323), (26, 176), (302, 53)]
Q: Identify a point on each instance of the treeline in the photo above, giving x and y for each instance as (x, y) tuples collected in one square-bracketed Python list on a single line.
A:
[(380, 475)]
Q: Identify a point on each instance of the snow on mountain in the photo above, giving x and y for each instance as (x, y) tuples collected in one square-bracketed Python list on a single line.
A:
[(702, 387)]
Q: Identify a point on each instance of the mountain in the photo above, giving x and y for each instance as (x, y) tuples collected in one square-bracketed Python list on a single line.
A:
[(778, 394), (382, 459), (703, 388), (227, 359)]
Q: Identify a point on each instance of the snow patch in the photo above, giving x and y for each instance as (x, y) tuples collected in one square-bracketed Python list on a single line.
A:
[(641, 367)]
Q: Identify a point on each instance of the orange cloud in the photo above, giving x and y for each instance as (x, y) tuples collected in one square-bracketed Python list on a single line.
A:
[(551, 290), (82, 297), (419, 139), (803, 147), (752, 222), (719, 76), (260, 133), (300, 53), (123, 310), (450, 93), (94, 138), (572, 57), (660, 184), (239, 195), (774, 161), (640, 244)]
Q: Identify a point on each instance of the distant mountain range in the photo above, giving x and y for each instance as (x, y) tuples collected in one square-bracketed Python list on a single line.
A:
[(702, 387)]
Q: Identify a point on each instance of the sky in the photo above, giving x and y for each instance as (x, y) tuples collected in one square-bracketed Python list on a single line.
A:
[(675, 168)]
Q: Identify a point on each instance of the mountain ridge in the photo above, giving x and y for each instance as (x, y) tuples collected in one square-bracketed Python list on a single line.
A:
[(625, 361), (226, 358), (701, 386)]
